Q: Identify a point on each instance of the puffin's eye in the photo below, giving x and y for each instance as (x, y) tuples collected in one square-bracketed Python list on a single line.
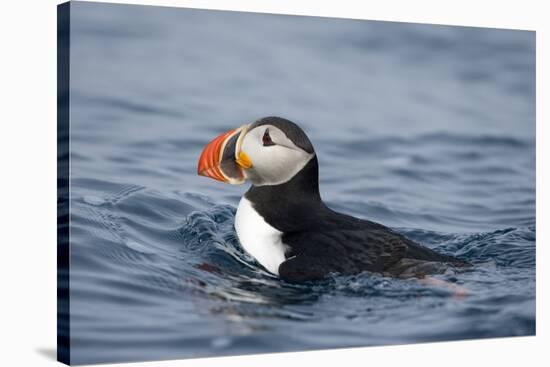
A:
[(266, 139)]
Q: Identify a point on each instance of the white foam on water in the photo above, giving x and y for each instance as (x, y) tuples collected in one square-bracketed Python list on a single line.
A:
[(93, 200), (136, 246)]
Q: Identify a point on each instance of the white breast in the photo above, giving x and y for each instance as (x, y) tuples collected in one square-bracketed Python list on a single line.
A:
[(258, 238)]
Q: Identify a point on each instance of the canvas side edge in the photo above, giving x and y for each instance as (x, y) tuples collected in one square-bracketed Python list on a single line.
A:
[(63, 209)]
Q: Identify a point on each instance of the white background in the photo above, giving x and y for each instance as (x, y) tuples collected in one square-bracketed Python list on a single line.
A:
[(28, 182)]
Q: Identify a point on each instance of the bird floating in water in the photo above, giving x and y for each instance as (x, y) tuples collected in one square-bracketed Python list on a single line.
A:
[(284, 224)]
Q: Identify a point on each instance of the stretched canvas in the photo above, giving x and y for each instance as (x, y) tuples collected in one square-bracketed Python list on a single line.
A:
[(384, 183)]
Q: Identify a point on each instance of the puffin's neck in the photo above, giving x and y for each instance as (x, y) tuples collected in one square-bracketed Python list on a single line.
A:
[(287, 205), (304, 186)]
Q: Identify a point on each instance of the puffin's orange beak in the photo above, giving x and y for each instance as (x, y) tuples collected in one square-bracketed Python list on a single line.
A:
[(222, 160)]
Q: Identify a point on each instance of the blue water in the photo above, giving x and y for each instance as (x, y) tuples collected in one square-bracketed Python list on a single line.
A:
[(427, 129)]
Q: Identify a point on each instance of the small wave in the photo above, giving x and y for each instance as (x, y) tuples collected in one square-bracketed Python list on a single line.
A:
[(509, 247)]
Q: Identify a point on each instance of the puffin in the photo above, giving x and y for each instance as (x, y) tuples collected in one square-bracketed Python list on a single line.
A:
[(285, 225)]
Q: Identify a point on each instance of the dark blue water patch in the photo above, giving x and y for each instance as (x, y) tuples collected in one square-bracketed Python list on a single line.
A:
[(116, 103), (475, 140)]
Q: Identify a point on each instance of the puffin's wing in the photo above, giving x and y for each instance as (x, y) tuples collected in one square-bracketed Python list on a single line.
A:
[(346, 251), (300, 268)]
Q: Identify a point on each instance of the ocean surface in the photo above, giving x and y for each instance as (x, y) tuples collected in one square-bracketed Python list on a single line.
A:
[(427, 129)]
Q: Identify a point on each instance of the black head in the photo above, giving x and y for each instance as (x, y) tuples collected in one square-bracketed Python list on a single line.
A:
[(291, 130)]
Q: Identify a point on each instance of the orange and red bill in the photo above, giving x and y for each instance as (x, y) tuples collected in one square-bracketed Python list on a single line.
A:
[(220, 159)]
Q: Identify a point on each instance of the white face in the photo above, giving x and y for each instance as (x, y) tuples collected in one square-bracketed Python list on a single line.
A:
[(275, 158)]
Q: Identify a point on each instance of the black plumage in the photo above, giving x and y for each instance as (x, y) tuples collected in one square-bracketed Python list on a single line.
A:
[(321, 240)]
